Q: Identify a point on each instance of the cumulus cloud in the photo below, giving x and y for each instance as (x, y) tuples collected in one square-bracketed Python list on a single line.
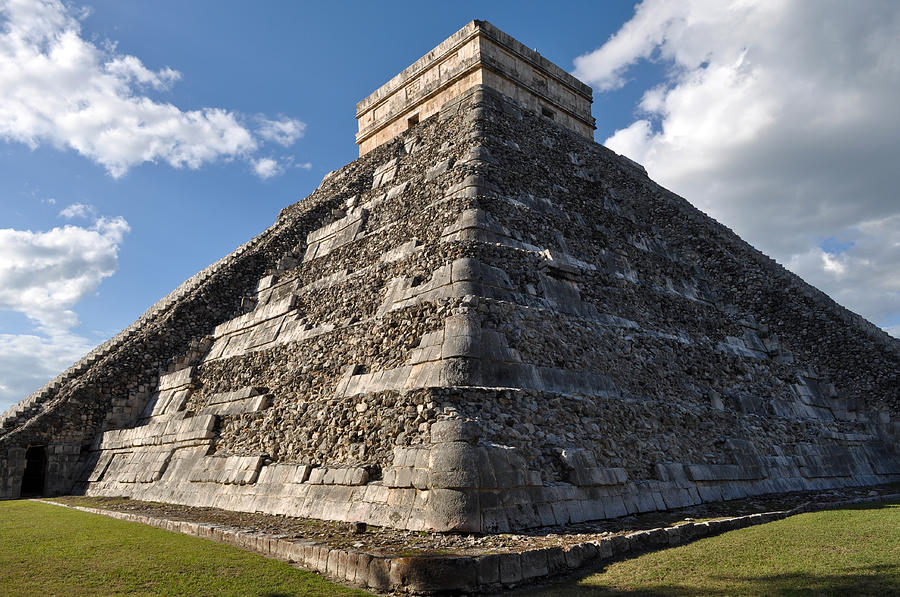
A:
[(27, 361), (129, 68), (266, 168), (43, 274), (284, 131), (77, 210), (779, 119), (866, 274), (58, 88)]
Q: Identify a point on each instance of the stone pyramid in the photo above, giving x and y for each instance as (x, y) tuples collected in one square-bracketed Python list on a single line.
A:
[(487, 322)]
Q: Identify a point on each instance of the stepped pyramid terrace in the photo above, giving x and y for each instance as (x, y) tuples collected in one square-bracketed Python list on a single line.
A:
[(488, 322)]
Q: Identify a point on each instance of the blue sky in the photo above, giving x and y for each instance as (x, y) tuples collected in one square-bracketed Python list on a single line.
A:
[(760, 114)]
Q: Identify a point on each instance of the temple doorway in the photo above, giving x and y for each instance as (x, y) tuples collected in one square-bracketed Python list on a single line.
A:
[(35, 471)]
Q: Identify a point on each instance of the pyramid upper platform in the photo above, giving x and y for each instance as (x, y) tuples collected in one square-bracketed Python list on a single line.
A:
[(479, 54)]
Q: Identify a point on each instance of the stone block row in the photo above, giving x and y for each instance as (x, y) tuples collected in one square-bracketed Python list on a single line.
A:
[(159, 432), (228, 470), (177, 379), (337, 234), (257, 316), (459, 465), (166, 402), (351, 476)]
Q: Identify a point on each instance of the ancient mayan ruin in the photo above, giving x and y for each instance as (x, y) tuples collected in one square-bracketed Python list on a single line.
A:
[(486, 322)]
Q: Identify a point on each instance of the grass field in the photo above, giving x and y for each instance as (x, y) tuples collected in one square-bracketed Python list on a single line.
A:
[(48, 550), (846, 552)]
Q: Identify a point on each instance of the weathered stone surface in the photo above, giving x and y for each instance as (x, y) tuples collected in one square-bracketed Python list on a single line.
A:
[(486, 324), (435, 574)]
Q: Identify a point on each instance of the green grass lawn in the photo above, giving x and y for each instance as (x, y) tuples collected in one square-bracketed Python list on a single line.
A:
[(48, 550), (847, 552)]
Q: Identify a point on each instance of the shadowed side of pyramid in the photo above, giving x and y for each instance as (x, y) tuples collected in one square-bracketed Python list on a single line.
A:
[(487, 322)]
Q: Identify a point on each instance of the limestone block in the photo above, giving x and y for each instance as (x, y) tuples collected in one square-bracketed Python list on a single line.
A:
[(329, 230), (379, 574), (100, 467), (257, 316), (436, 575), (452, 456), (510, 568), (452, 479), (640, 501), (238, 470), (384, 173), (238, 407), (396, 191), (487, 569), (358, 568), (357, 476), (401, 252), (455, 430), (638, 541), (475, 219), (471, 270), (450, 510), (182, 377), (673, 473), (614, 506), (317, 476), (678, 498), (577, 555), (266, 282), (658, 537), (722, 472), (438, 169), (534, 563)]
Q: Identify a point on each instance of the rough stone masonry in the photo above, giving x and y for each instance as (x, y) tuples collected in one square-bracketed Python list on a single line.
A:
[(487, 322)]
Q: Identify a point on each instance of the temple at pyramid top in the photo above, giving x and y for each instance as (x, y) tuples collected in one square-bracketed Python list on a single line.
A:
[(477, 54)]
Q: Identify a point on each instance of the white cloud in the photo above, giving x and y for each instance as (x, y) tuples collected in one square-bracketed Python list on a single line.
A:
[(27, 361), (866, 276), (43, 274), (77, 210), (893, 330), (266, 168), (58, 88), (284, 131), (129, 68), (778, 119)]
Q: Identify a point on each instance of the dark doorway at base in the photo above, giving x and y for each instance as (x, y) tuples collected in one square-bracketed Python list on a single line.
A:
[(35, 471)]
